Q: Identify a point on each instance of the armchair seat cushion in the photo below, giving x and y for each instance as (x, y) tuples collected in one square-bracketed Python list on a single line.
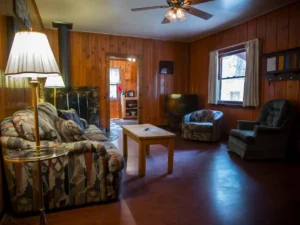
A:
[(199, 126), (245, 135)]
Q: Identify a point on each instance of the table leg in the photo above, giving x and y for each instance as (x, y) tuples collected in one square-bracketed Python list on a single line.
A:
[(43, 220), (170, 155), (147, 149), (125, 147), (142, 158)]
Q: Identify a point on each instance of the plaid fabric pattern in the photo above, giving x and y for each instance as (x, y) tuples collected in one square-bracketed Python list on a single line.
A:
[(92, 171), (202, 125)]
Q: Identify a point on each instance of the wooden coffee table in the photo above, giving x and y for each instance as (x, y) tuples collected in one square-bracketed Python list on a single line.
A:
[(154, 135)]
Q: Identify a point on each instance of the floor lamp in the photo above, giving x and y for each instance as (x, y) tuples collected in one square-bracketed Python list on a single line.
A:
[(32, 57), (54, 82)]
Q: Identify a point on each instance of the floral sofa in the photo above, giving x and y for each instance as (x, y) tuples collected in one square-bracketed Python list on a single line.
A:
[(202, 125), (91, 172)]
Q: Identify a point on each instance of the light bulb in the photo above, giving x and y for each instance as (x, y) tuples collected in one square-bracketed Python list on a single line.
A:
[(171, 15), (180, 14)]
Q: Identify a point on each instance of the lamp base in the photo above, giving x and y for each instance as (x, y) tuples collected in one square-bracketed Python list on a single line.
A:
[(43, 220)]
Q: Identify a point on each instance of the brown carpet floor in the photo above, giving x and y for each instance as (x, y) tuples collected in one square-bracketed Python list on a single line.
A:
[(208, 187)]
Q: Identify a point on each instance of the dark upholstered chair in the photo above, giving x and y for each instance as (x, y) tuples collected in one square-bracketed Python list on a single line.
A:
[(266, 138), (202, 125)]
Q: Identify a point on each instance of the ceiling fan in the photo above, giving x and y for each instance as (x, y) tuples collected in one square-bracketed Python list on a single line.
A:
[(178, 10)]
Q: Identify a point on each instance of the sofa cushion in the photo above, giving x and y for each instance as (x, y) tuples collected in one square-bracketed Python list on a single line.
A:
[(245, 135), (95, 134), (70, 114), (70, 131), (24, 124), (48, 108), (7, 128)]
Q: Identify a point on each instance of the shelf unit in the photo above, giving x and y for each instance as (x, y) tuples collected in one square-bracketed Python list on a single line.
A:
[(127, 111), (282, 65)]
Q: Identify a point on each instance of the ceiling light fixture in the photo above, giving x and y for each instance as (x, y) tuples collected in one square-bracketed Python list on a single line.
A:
[(176, 13), (131, 59), (171, 15), (180, 14)]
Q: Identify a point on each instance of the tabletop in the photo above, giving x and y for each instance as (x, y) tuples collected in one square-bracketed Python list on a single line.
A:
[(153, 131), (32, 155)]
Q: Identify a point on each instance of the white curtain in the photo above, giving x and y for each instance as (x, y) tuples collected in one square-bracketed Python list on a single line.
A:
[(213, 81), (251, 86)]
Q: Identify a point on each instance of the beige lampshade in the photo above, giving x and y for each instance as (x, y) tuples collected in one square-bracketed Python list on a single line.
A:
[(31, 56), (54, 82)]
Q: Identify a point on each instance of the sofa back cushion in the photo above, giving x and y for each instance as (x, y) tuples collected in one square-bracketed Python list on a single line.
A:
[(274, 113), (7, 128), (70, 114), (24, 123), (70, 131), (202, 116)]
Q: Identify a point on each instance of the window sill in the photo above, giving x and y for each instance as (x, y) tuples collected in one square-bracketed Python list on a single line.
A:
[(232, 104)]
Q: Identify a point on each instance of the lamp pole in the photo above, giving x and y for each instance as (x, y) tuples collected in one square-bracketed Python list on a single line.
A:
[(34, 90)]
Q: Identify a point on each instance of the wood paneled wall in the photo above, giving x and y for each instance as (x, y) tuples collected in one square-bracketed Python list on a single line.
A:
[(127, 69), (88, 67), (278, 30)]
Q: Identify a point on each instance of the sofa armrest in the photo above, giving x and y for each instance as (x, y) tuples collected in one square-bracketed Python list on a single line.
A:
[(115, 161), (84, 146), (246, 125), (13, 143)]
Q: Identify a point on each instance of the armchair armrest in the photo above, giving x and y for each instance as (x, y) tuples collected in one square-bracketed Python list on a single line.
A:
[(246, 125), (186, 118), (272, 137), (260, 129)]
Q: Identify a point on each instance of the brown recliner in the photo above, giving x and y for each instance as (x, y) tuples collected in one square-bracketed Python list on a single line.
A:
[(266, 138)]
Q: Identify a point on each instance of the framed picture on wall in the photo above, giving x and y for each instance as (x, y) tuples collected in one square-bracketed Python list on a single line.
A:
[(21, 11)]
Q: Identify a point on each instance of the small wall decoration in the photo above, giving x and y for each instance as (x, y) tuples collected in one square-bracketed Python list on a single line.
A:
[(283, 65), (21, 11), (271, 64), (166, 67)]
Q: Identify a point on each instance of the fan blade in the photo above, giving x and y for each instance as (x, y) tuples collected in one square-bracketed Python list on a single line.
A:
[(195, 2), (151, 7), (199, 13), (165, 21)]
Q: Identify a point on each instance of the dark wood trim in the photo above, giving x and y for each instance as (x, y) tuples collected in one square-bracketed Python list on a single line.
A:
[(230, 78), (232, 50), (231, 103)]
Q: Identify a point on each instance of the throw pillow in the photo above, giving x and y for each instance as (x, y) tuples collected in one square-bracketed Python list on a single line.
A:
[(24, 124), (70, 131), (70, 114)]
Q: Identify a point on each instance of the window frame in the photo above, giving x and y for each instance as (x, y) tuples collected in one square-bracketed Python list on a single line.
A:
[(114, 84), (228, 52)]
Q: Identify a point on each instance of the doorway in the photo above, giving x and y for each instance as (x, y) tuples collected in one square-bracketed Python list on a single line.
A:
[(123, 91)]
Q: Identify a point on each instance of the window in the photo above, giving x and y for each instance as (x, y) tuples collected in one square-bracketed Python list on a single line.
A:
[(114, 78), (232, 69)]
